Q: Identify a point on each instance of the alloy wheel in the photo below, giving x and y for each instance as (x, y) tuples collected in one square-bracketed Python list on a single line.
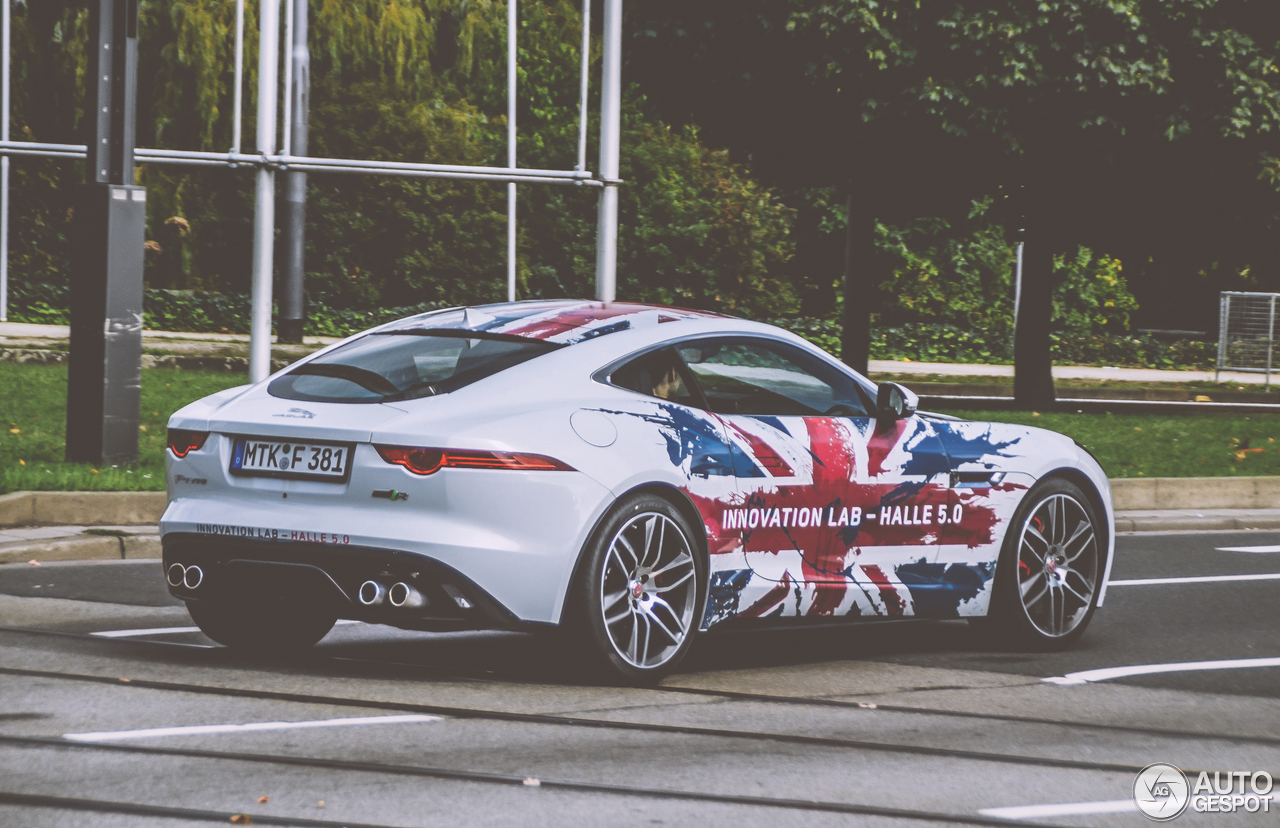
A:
[(1057, 565), (647, 590)]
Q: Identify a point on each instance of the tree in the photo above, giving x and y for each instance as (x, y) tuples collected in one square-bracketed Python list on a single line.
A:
[(1073, 95)]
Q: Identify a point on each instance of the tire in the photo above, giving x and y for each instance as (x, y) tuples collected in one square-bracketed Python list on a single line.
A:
[(253, 628), (1051, 565), (639, 594)]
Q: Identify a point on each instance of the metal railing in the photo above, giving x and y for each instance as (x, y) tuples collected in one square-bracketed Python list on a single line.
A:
[(267, 161), (1246, 333)]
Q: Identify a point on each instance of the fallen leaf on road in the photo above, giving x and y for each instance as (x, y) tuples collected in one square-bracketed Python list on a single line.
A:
[(241, 819), (263, 800), (34, 563), (320, 804)]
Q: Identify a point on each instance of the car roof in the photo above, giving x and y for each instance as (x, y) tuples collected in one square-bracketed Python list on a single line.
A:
[(564, 321)]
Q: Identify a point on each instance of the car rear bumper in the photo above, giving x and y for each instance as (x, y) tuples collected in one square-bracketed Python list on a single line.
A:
[(264, 570), (515, 535)]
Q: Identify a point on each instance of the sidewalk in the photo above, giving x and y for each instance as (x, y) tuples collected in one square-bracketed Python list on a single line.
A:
[(23, 330), (78, 543), (22, 335), (958, 369)]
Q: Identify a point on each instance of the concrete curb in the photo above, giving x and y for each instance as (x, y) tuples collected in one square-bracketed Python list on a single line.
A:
[(83, 548), (1195, 493), (1186, 520), (81, 508)]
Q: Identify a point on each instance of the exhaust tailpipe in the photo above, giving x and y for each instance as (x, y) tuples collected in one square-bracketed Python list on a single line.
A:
[(403, 595), (175, 574), (371, 593), (193, 577)]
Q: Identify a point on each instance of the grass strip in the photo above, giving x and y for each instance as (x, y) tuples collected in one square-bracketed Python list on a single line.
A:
[(33, 434), (33, 429)]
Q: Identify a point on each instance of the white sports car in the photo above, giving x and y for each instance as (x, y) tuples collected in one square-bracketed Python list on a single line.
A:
[(630, 474)]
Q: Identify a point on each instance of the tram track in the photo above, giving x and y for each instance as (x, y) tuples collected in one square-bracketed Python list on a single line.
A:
[(556, 720), (728, 695), (419, 771)]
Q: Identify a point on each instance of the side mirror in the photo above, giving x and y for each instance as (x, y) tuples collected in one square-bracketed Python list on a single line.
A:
[(893, 402)]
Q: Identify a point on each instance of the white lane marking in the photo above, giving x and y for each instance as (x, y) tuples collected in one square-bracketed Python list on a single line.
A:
[(1199, 579), (175, 630), (1248, 549), (200, 730), (1110, 806), (152, 631), (1108, 673)]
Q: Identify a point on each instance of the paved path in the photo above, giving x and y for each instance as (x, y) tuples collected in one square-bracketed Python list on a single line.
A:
[(958, 369), (22, 330), (17, 330)]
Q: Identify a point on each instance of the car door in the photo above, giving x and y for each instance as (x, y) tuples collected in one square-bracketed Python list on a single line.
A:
[(836, 512)]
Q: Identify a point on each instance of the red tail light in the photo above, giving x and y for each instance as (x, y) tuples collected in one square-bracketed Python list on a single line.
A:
[(182, 441), (430, 460)]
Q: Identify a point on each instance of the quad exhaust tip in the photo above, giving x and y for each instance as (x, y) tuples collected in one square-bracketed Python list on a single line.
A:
[(184, 576), (403, 595), (193, 577), (371, 593)]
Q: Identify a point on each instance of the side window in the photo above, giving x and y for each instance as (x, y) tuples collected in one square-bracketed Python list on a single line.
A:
[(656, 374), (755, 377)]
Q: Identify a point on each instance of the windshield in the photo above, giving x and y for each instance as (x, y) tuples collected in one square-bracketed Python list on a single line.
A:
[(405, 365)]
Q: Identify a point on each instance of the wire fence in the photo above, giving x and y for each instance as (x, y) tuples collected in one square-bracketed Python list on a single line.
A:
[(1246, 330)]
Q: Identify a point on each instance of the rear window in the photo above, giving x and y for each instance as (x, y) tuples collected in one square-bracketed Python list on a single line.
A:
[(405, 365)]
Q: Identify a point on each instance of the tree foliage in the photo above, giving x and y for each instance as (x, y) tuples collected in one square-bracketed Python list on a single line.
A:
[(1144, 124)]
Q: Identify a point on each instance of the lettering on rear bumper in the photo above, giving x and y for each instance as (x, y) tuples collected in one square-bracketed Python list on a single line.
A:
[(263, 533)]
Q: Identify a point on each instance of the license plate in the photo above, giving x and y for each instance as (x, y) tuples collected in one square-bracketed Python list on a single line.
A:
[(289, 458)]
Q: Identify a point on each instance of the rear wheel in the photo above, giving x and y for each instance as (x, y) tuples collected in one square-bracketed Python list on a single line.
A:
[(1047, 580), (640, 591), (252, 627)]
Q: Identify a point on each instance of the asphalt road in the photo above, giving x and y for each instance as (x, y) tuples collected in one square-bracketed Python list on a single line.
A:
[(909, 723)]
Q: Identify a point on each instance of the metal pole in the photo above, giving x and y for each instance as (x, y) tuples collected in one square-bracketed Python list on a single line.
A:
[(1017, 285), (4, 171), (288, 77), (294, 221), (511, 149), (1224, 309), (582, 101), (235, 138), (1271, 333), (610, 138), (264, 213)]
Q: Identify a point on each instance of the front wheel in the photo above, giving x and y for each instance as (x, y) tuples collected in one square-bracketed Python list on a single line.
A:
[(640, 591), (1050, 569), (257, 628)]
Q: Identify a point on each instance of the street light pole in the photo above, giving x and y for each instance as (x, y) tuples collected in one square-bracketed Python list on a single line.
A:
[(264, 209), (292, 306), (104, 374), (610, 142)]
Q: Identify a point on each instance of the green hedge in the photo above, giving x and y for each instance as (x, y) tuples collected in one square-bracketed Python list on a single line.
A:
[(947, 343), (173, 310)]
